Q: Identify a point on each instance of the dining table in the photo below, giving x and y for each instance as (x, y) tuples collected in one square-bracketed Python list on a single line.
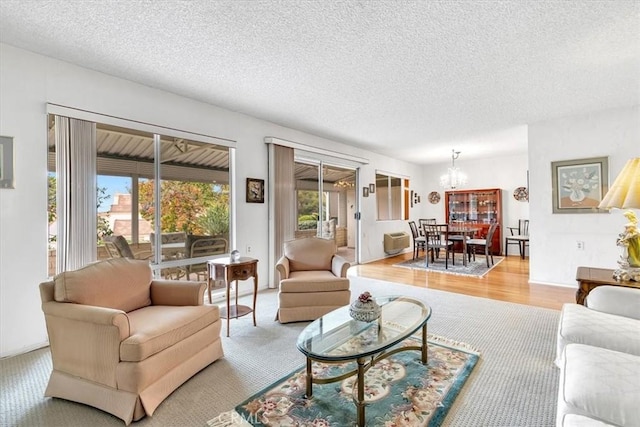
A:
[(464, 231), (173, 250)]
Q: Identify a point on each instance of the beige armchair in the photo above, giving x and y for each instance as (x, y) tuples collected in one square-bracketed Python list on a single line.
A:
[(313, 280), (121, 341)]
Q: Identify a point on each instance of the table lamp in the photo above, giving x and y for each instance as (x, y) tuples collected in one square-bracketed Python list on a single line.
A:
[(625, 194)]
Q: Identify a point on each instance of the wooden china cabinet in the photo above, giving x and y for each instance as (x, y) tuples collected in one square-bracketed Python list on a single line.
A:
[(476, 208)]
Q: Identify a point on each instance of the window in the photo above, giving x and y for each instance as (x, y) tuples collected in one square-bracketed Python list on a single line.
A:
[(388, 197), (191, 196)]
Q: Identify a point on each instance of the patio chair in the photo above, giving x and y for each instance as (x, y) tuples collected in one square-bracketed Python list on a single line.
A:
[(118, 247), (201, 246)]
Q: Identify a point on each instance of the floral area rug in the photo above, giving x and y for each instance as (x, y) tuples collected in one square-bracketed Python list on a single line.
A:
[(399, 390), (477, 268)]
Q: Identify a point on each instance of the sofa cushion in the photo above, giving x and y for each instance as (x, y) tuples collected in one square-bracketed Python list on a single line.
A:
[(314, 281), (573, 420), (615, 300), (118, 283), (156, 328), (579, 324), (310, 253), (600, 384)]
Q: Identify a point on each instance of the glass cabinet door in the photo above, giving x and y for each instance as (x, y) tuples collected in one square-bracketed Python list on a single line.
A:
[(478, 208)]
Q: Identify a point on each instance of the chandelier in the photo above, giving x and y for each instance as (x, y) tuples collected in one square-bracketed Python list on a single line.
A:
[(454, 176), (344, 184)]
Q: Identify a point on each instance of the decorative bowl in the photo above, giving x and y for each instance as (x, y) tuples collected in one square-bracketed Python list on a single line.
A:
[(364, 311)]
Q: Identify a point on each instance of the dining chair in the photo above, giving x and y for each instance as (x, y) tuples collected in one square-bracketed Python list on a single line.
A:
[(422, 222), (436, 239), (458, 238), (418, 240), (519, 236), (473, 244)]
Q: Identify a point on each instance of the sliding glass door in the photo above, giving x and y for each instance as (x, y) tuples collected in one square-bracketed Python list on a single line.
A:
[(145, 185), (326, 203)]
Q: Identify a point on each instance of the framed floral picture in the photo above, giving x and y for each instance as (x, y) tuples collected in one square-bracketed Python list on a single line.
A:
[(579, 185), (6, 162), (255, 190)]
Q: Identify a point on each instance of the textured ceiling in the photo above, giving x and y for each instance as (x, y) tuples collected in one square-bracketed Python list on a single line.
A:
[(410, 79)]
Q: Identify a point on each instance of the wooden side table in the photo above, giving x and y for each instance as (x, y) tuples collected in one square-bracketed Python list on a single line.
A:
[(590, 278), (242, 269)]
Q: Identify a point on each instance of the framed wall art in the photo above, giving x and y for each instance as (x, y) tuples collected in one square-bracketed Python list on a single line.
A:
[(579, 185), (6, 162), (434, 197), (255, 190)]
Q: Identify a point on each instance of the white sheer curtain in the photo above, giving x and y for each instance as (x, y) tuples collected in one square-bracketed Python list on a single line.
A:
[(281, 165), (76, 193)]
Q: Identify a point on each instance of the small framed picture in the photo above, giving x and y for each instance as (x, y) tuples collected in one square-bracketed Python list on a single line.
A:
[(365, 191), (255, 190), (372, 188), (6, 162), (579, 185)]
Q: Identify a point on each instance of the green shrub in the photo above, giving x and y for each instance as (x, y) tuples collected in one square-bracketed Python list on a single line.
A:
[(307, 225), (215, 221)]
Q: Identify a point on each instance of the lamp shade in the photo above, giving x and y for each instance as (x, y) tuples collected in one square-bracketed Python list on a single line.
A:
[(625, 191)]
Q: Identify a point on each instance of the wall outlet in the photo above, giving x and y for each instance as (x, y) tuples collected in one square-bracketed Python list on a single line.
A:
[(248, 249), (580, 245)]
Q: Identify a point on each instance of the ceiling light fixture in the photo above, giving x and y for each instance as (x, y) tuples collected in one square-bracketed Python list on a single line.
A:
[(454, 177), (344, 184)]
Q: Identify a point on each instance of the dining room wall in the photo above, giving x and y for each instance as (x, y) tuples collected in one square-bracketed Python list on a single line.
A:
[(505, 172)]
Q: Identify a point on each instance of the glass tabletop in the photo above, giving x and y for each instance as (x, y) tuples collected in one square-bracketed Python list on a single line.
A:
[(336, 336)]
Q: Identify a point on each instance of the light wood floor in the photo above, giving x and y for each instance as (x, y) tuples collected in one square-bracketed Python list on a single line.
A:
[(508, 281)]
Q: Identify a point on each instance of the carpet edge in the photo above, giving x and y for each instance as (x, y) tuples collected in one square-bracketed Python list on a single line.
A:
[(453, 273)]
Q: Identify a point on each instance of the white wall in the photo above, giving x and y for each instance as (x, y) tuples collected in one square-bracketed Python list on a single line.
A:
[(554, 253), (29, 81)]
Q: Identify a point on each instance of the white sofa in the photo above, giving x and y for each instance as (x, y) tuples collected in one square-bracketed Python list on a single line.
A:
[(598, 353)]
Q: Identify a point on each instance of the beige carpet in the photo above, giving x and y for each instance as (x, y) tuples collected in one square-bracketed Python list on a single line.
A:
[(514, 383)]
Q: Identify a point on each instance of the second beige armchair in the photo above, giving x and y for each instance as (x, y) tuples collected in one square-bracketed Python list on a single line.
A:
[(313, 280)]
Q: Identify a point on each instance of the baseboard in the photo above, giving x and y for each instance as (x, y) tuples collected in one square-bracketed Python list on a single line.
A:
[(406, 251), (560, 285), (23, 350)]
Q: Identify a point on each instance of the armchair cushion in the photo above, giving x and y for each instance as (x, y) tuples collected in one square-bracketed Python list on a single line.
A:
[(175, 292), (310, 254), (119, 283), (313, 281), (156, 328)]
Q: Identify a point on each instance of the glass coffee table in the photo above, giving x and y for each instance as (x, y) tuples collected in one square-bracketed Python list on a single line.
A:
[(338, 338)]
